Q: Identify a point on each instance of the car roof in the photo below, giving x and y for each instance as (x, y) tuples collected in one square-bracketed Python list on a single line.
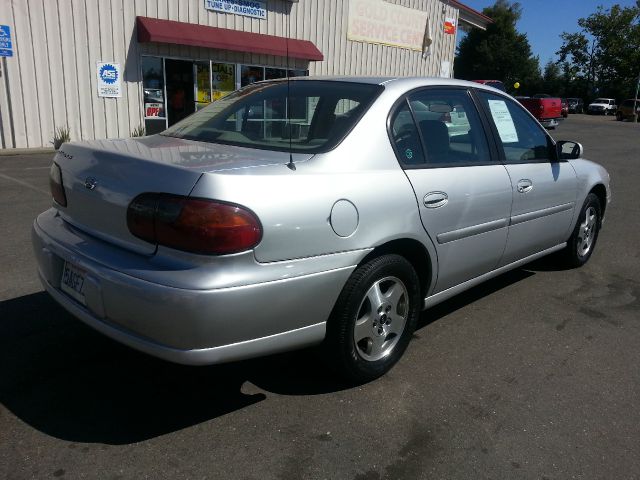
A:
[(406, 83)]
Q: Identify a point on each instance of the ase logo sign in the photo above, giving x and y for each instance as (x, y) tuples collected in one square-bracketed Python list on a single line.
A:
[(109, 79)]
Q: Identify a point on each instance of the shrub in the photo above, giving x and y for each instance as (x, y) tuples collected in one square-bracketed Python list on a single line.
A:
[(139, 131), (61, 135)]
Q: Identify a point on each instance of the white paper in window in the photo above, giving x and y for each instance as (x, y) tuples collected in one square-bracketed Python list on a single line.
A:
[(504, 122)]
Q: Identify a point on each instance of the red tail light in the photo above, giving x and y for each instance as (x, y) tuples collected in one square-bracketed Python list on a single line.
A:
[(196, 225), (55, 184)]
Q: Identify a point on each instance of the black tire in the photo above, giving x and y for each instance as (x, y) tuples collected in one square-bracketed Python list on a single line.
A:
[(349, 356), (619, 116), (574, 254)]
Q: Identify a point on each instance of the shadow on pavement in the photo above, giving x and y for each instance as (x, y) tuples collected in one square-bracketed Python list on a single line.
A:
[(64, 379), (67, 381), (473, 294)]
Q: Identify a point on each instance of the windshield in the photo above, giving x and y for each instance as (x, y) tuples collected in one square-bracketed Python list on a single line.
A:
[(309, 115), (601, 100)]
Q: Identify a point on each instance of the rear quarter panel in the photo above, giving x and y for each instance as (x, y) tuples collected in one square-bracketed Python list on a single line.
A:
[(295, 207)]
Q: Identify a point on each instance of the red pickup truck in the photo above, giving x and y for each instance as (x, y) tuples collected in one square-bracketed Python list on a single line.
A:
[(546, 109)]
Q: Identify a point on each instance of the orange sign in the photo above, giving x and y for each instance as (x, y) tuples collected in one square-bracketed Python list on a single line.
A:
[(450, 26)]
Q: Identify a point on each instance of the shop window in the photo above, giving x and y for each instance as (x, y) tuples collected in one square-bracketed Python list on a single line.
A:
[(250, 74), (273, 73), (154, 103), (298, 73), (223, 76), (203, 85)]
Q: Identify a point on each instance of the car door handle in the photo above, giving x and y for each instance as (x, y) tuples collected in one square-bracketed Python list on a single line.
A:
[(435, 199), (525, 185)]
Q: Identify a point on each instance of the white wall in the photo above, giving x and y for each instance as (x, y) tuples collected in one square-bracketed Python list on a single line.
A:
[(51, 79)]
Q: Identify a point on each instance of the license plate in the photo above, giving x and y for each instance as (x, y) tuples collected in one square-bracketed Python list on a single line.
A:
[(72, 281)]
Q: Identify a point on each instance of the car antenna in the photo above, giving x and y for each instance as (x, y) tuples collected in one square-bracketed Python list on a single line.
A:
[(290, 165)]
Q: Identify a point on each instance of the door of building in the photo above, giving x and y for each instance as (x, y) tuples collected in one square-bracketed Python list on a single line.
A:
[(180, 89)]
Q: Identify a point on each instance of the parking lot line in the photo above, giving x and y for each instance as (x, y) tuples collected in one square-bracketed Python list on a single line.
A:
[(24, 184)]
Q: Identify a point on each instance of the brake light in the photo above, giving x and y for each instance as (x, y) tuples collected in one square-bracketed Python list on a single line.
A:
[(197, 225), (55, 184)]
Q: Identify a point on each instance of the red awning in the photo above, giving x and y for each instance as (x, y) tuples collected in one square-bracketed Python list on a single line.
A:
[(169, 31)]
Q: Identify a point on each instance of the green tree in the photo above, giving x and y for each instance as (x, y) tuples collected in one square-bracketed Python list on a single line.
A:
[(500, 52), (604, 57), (552, 79)]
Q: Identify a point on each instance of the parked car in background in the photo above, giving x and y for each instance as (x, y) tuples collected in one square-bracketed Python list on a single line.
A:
[(576, 105), (565, 108), (546, 109), (228, 239), (625, 110), (603, 106), (492, 83)]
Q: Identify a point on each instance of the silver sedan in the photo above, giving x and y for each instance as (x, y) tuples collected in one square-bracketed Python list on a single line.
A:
[(312, 211)]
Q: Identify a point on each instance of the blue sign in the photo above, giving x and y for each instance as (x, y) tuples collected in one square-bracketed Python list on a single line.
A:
[(6, 47), (109, 74)]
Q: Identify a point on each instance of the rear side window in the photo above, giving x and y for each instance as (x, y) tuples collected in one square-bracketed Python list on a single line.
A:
[(405, 137), (450, 127), (521, 137)]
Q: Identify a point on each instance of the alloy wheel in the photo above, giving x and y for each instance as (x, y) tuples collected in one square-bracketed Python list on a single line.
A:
[(381, 318), (586, 233)]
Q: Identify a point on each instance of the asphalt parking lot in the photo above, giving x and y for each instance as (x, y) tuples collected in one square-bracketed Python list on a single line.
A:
[(533, 375)]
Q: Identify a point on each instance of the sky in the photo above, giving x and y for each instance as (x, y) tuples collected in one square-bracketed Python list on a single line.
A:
[(544, 20)]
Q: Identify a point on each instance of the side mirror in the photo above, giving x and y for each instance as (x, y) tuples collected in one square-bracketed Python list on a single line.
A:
[(568, 150)]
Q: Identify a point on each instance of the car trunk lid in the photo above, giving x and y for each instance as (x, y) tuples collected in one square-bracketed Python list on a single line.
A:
[(101, 178)]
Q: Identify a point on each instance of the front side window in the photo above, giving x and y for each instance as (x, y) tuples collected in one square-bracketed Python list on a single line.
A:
[(306, 116), (521, 137)]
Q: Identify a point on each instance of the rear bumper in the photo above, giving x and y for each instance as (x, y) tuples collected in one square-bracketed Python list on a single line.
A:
[(550, 122), (190, 326)]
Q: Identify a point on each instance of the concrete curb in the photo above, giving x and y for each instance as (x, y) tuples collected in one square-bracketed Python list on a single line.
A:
[(5, 152)]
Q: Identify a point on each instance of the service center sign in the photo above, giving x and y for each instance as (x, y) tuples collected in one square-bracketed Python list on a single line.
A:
[(109, 80), (376, 21), (248, 8)]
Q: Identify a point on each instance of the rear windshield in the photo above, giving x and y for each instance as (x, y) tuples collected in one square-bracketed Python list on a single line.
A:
[(309, 116)]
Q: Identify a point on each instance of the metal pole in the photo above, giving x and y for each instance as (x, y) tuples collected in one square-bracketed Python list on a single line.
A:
[(635, 102)]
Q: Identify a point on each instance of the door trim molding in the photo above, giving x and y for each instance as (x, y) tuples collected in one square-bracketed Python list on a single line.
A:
[(472, 230), (525, 217)]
